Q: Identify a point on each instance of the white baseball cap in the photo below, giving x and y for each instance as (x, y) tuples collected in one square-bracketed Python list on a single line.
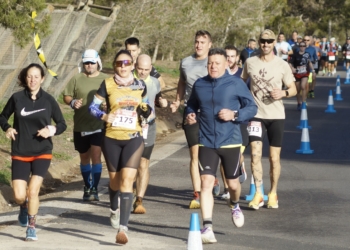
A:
[(91, 55)]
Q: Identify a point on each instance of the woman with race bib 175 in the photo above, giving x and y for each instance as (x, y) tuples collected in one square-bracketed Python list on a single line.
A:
[(123, 144)]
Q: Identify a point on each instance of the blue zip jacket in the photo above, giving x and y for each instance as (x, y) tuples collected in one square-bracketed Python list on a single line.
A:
[(211, 95)]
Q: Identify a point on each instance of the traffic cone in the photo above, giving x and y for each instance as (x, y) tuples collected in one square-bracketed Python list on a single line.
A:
[(330, 107), (337, 83), (347, 80), (194, 241), (338, 93), (303, 117), (252, 191), (305, 143)]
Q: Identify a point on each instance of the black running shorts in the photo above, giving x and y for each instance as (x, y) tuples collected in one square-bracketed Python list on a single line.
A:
[(191, 132), (83, 143), (258, 128), (208, 161), (21, 170), (122, 153)]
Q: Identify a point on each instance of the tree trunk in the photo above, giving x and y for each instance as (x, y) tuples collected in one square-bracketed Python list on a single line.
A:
[(155, 53), (171, 55)]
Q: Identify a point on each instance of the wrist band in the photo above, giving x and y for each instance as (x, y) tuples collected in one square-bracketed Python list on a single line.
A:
[(72, 102)]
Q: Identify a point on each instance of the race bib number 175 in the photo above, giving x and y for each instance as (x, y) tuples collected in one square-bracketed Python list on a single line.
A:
[(125, 119), (254, 129)]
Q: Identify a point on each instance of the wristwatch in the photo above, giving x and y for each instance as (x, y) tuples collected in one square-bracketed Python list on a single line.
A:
[(235, 116)]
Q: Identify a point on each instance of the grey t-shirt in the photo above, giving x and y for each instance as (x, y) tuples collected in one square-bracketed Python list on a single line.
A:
[(153, 88), (190, 70)]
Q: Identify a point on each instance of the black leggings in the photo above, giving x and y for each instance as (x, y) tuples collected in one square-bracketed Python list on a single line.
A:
[(122, 153), (21, 169)]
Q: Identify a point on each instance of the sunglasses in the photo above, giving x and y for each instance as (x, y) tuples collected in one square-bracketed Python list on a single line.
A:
[(121, 62), (87, 63), (269, 41)]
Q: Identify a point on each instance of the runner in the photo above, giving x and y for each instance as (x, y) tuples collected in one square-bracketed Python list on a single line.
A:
[(31, 145), (132, 44), (293, 41), (346, 52), (301, 65), (87, 131), (283, 48), (267, 72), (143, 68), (233, 69), (315, 65), (192, 68), (324, 61), (331, 56), (296, 45), (122, 145), (249, 51), (224, 102), (313, 58)]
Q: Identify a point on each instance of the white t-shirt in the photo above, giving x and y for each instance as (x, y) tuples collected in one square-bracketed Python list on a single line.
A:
[(283, 46)]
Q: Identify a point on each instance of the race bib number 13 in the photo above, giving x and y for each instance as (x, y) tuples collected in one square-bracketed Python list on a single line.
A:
[(254, 129), (125, 119)]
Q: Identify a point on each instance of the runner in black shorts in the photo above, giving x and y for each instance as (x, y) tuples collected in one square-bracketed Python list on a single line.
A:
[(192, 68), (222, 107), (268, 73), (346, 52), (31, 146)]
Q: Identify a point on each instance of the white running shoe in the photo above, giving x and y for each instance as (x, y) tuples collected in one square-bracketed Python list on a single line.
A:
[(243, 176), (115, 218), (225, 196), (208, 236), (237, 216)]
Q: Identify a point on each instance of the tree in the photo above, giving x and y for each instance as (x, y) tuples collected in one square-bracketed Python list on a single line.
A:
[(16, 15)]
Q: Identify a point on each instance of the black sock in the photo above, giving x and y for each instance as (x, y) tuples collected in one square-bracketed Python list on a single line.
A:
[(225, 190), (208, 222), (113, 198), (125, 207), (233, 203)]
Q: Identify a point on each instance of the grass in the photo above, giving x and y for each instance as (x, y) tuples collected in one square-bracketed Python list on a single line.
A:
[(61, 156), (169, 71), (5, 176)]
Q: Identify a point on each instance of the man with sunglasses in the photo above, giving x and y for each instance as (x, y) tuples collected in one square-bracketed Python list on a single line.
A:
[(267, 73), (87, 131), (192, 68), (142, 71), (314, 59)]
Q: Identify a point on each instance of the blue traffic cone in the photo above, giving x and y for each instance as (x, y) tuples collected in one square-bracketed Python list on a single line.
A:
[(252, 191), (347, 80), (337, 83), (303, 117), (338, 94), (330, 107), (305, 143), (194, 241)]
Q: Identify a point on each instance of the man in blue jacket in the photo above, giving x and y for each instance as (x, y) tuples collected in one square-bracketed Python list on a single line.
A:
[(224, 101)]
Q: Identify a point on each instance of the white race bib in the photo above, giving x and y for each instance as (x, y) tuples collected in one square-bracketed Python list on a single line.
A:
[(348, 55), (301, 69), (125, 119), (145, 131), (254, 129), (331, 58)]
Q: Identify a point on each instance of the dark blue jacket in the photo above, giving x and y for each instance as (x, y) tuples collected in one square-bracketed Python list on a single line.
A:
[(210, 96)]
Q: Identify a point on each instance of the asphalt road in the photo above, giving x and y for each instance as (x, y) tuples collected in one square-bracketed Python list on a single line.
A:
[(313, 191)]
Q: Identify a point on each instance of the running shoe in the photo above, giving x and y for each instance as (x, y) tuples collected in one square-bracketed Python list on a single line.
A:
[(243, 175), (114, 218), (299, 106), (31, 234), (94, 194), (237, 216), (208, 236), (225, 196), (272, 201), (312, 95), (23, 216), (257, 202), (195, 203), (87, 195), (216, 188), (122, 237), (138, 207), (329, 74)]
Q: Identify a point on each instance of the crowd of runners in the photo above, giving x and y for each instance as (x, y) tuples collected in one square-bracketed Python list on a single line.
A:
[(231, 100)]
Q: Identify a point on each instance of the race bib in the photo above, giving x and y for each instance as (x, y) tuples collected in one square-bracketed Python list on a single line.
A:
[(301, 69), (331, 58), (145, 131), (348, 55), (254, 129), (125, 119)]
